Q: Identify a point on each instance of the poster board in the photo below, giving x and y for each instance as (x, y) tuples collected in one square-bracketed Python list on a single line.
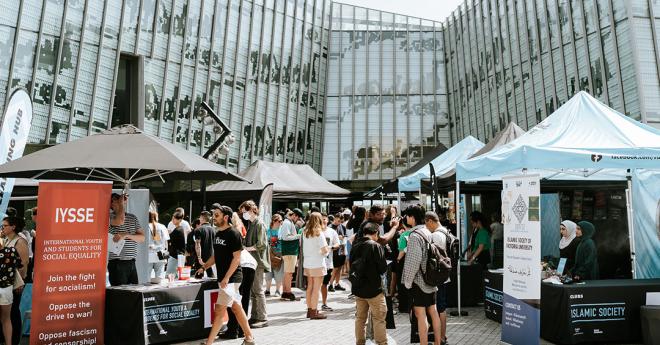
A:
[(521, 215), (71, 249)]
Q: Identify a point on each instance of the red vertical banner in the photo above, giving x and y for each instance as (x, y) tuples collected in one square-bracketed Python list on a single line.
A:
[(68, 301)]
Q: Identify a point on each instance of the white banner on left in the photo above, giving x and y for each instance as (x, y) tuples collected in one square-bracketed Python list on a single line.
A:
[(14, 135)]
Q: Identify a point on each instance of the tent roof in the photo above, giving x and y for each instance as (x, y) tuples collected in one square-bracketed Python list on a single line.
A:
[(582, 139), (510, 133), (290, 181), (503, 137), (442, 163)]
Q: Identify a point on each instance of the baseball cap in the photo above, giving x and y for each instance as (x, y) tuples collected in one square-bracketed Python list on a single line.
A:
[(298, 212), (346, 212), (216, 206)]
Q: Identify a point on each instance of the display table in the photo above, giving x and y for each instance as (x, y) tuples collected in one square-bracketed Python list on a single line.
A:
[(158, 313), (493, 282), (471, 286), (596, 311)]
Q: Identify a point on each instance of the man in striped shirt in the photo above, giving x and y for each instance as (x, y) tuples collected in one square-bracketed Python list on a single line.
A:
[(124, 226)]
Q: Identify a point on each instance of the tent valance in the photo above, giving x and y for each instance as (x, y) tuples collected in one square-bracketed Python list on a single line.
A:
[(290, 181)]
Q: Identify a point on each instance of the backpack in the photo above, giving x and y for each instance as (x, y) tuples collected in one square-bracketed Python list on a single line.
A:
[(437, 266), (11, 262), (453, 246)]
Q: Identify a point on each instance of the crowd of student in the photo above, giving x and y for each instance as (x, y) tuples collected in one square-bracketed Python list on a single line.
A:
[(383, 252)]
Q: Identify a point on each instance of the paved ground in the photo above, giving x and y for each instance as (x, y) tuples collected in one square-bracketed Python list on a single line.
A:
[(288, 326)]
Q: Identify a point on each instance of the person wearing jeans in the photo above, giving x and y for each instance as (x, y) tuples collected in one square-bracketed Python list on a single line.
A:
[(367, 265), (157, 243), (256, 242)]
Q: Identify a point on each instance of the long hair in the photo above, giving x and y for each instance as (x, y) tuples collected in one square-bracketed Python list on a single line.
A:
[(359, 217), (276, 218), (153, 220), (314, 225)]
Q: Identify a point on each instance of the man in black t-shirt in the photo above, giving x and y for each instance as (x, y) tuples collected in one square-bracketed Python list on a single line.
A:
[(203, 238), (227, 248)]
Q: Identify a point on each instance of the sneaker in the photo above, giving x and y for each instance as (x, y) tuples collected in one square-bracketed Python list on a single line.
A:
[(291, 297), (351, 296), (278, 294), (331, 288), (267, 293), (249, 342), (259, 324), (251, 321), (326, 308), (340, 288)]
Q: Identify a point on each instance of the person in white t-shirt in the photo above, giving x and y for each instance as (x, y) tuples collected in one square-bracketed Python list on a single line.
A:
[(315, 251), (439, 237), (332, 239), (158, 237)]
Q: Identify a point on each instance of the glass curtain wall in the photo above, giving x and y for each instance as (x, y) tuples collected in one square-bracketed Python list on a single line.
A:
[(519, 60), (386, 103), (258, 63)]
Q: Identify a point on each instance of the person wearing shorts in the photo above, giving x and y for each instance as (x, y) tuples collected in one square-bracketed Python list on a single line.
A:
[(315, 251), (289, 242), (227, 248), (422, 294)]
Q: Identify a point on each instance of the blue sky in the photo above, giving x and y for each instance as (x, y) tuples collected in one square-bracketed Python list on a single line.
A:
[(437, 10)]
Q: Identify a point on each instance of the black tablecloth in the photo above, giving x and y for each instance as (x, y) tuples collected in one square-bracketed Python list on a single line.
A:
[(493, 283), (471, 286), (597, 311), (156, 314)]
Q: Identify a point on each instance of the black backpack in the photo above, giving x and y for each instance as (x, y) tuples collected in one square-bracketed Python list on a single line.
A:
[(438, 266), (453, 246)]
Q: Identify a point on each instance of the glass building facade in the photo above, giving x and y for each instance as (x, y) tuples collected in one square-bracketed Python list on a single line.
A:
[(386, 98), (519, 60), (260, 64), (359, 94)]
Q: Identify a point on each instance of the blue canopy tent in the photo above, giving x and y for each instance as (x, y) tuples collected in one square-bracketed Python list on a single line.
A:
[(583, 140), (442, 164)]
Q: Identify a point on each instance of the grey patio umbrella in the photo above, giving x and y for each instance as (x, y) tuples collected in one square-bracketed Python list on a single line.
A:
[(122, 154)]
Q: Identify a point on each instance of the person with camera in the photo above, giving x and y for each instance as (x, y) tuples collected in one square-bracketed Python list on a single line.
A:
[(158, 253)]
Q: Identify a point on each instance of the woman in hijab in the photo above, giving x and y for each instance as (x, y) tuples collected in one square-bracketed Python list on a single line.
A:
[(568, 243), (586, 255)]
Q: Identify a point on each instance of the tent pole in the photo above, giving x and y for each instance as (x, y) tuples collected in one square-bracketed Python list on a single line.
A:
[(458, 233), (631, 230)]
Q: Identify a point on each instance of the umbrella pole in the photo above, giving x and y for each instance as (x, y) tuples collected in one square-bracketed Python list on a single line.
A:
[(127, 182), (631, 230)]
